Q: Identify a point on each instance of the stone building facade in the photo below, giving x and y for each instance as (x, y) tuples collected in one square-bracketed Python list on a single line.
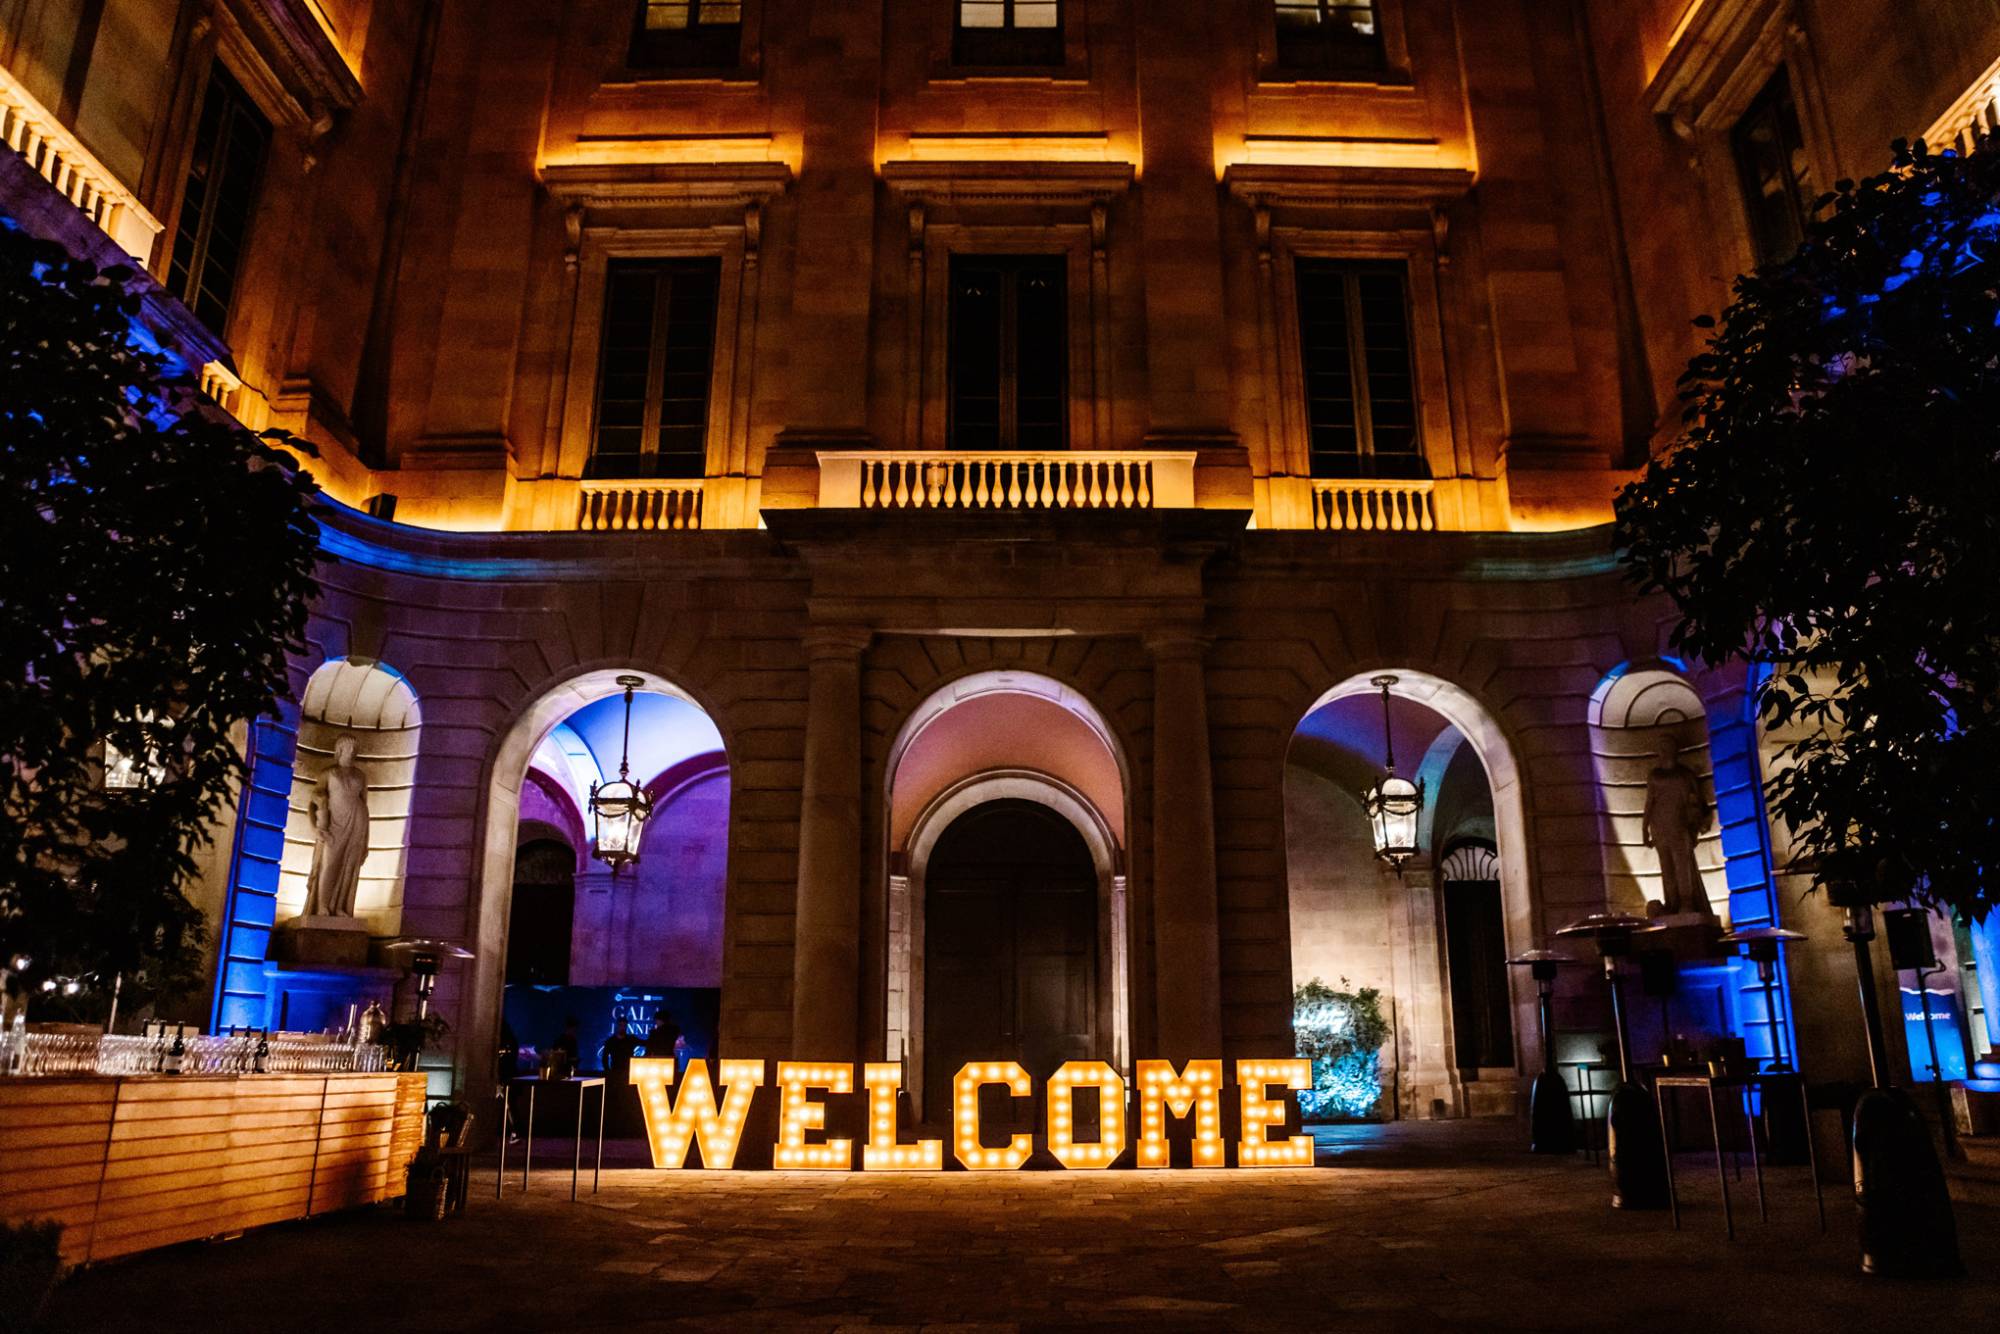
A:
[(974, 409)]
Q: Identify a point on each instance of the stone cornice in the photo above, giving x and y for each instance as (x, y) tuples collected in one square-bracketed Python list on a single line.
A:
[(1346, 187), (300, 55), (959, 183), (1722, 55), (666, 185)]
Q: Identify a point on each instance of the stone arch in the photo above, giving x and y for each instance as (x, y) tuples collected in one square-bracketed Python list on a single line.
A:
[(1427, 1025), (1631, 708), (372, 702), (1082, 775), (506, 775)]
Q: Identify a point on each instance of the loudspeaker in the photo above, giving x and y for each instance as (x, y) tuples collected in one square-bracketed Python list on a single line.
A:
[(1909, 933)]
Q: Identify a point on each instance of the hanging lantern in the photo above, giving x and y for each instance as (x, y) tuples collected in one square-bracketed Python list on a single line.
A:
[(619, 809), (1393, 803)]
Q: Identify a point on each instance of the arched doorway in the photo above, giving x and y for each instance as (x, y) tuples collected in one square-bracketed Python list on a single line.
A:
[(993, 737), (642, 946), (1010, 944), (1429, 941)]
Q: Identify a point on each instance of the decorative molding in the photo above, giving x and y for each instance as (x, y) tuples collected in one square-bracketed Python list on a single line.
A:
[(1723, 53), (1046, 183), (300, 54), (1353, 188), (734, 185)]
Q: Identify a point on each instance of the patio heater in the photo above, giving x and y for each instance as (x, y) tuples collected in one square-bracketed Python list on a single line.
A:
[(1784, 1133), (1907, 1227), (1551, 1120), (425, 960), (1633, 1144)]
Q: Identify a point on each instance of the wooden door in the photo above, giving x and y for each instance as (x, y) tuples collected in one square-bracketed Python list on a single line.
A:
[(1010, 950), (1482, 1021)]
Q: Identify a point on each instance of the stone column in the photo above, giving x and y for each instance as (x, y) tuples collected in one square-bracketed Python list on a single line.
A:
[(1187, 972), (826, 972)]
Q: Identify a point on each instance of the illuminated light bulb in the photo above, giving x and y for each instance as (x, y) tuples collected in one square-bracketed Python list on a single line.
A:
[(796, 1080), (884, 1080), (965, 1124), (675, 1124), (1191, 1091), (1259, 1113)]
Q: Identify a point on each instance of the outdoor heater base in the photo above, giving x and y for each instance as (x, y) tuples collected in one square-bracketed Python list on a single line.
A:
[(1634, 1151), (1551, 1122), (1907, 1226)]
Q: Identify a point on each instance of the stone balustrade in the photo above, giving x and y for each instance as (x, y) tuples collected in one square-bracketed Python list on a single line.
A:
[(627, 505), (33, 131), (1372, 505), (1011, 479)]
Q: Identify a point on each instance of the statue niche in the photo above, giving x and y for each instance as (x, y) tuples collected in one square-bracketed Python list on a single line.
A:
[(339, 810)]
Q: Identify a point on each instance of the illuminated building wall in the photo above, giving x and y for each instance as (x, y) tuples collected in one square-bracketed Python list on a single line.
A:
[(663, 353)]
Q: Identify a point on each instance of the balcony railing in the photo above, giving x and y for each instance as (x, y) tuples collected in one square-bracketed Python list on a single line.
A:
[(1369, 506), (31, 130), (619, 506), (1060, 480)]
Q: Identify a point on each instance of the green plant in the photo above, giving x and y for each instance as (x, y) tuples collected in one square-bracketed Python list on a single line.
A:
[(1832, 514), (155, 564), (1342, 1032), (30, 1266)]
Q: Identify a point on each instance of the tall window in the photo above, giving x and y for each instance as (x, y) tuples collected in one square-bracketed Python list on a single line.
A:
[(1008, 32), (687, 34), (230, 142), (654, 367), (1771, 162), (1009, 352), (1334, 36), (1361, 399)]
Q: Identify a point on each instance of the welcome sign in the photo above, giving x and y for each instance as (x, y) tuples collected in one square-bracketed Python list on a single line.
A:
[(677, 1120)]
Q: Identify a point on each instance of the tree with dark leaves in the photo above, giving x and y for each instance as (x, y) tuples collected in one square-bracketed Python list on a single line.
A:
[(155, 564), (1832, 515)]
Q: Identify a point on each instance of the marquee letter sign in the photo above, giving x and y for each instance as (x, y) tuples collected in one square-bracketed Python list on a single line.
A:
[(680, 1121)]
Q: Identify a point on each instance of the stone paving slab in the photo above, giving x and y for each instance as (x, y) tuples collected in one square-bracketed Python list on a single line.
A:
[(1445, 1226)]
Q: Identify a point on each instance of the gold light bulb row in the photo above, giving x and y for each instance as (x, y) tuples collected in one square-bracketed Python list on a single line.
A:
[(677, 1124)]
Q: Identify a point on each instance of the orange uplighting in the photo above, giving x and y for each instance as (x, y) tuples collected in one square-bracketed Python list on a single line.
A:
[(882, 1153), (1196, 1089)]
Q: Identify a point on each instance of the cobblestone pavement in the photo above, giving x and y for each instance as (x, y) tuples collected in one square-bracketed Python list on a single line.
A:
[(1444, 1226)]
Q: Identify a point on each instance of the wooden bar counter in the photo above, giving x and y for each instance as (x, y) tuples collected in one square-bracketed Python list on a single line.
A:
[(127, 1163)]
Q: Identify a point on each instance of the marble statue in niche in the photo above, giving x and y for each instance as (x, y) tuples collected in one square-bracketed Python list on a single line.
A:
[(339, 811), (1677, 814)]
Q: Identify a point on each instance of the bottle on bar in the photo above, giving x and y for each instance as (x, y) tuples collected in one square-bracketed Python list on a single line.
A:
[(263, 1050), (177, 1054), (159, 1047)]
